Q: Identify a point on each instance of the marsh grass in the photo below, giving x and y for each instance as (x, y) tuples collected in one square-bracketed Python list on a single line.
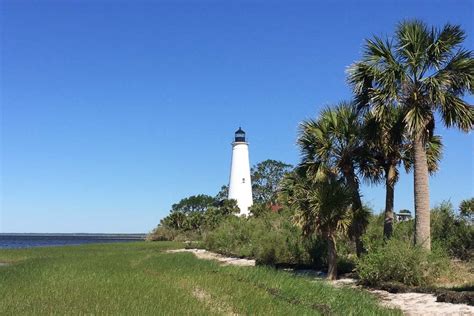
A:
[(140, 278)]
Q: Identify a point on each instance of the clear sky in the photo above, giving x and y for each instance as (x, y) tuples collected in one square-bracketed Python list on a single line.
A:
[(113, 110)]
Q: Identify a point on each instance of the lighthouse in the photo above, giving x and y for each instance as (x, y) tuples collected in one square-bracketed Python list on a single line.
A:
[(240, 184)]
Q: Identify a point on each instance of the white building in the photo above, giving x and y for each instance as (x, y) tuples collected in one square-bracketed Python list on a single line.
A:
[(240, 184)]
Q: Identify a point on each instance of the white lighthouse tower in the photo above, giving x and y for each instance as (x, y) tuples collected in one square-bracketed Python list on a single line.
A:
[(240, 184)]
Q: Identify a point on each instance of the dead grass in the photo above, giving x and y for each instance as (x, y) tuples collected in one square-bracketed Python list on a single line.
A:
[(460, 274), (214, 304)]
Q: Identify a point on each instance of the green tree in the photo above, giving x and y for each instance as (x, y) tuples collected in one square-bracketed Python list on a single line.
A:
[(194, 203), (260, 209), (466, 209), (266, 177), (195, 220), (188, 213), (214, 215), (333, 144), (199, 212), (175, 220), (223, 193), (423, 71), (322, 207), (386, 139)]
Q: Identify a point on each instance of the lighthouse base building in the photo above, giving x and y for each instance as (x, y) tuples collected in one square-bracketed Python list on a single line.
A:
[(240, 184)]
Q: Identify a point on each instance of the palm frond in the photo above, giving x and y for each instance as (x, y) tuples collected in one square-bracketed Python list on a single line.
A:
[(413, 41), (422, 71), (434, 154), (445, 41), (456, 112)]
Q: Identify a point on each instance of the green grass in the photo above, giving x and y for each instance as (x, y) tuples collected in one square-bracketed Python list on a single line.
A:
[(140, 279)]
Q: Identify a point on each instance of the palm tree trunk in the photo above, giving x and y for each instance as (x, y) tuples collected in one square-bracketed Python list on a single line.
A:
[(356, 205), (389, 201), (332, 258), (422, 196), (359, 244)]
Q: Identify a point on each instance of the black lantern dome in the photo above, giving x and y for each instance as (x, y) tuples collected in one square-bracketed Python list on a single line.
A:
[(240, 136)]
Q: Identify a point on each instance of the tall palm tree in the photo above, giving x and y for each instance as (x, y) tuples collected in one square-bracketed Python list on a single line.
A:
[(386, 139), (333, 144), (321, 207), (424, 71)]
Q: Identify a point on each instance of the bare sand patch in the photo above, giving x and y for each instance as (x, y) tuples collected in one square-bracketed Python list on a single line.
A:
[(208, 255), (417, 304), (412, 304)]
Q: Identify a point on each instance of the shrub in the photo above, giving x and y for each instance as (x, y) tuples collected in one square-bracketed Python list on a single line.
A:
[(400, 261), (452, 232), (270, 239), (260, 209), (466, 209), (373, 236), (188, 236), (277, 241), (231, 237), (162, 233)]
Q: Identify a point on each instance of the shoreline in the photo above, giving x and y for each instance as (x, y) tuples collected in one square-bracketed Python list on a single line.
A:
[(26, 241)]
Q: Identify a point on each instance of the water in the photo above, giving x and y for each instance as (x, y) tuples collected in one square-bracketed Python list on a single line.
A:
[(45, 240)]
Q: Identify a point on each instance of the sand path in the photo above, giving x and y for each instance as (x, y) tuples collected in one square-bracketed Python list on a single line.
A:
[(411, 304), (207, 255), (421, 304)]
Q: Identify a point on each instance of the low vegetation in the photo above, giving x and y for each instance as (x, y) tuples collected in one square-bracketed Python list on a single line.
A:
[(275, 239), (271, 239), (400, 261), (141, 279), (452, 231)]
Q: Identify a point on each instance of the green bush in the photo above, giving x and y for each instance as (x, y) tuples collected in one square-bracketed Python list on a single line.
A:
[(466, 209), (188, 236), (273, 239), (277, 241), (452, 232), (373, 236), (397, 260), (162, 233), (231, 237), (400, 261), (270, 239)]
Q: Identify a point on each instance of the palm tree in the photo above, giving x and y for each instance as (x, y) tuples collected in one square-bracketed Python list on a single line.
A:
[(424, 71), (321, 207), (333, 144), (387, 143), (177, 220)]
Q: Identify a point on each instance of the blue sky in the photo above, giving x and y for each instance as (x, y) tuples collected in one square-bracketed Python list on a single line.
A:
[(113, 110)]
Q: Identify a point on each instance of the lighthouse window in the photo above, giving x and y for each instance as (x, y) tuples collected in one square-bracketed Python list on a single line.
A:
[(243, 180)]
